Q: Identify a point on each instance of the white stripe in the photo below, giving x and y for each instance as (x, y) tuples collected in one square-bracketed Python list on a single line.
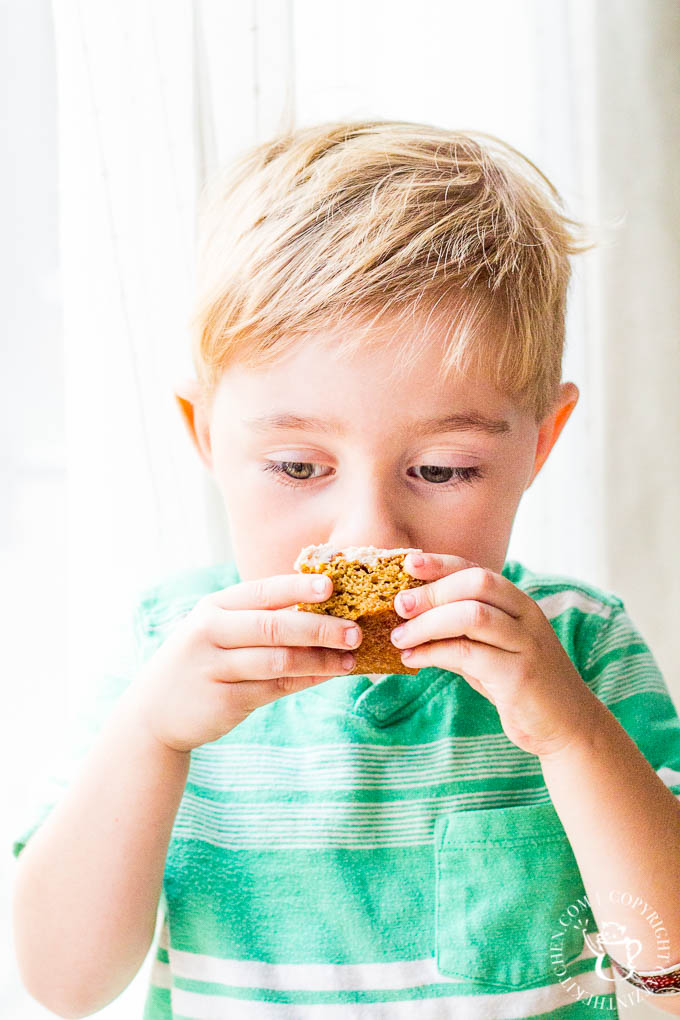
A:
[(669, 776), (380, 750), (639, 688), (620, 680), (641, 662), (554, 605), (621, 635), (640, 658), (480, 755), (408, 779), (361, 779), (161, 974), (313, 977), (237, 766), (270, 812), (330, 824), (494, 1006)]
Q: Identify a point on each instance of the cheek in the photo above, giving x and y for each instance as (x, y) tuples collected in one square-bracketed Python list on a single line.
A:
[(512, 471), (265, 536), (255, 502), (504, 499), (241, 490), (487, 515)]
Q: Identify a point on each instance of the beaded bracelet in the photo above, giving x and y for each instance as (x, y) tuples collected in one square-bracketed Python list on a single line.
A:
[(658, 982)]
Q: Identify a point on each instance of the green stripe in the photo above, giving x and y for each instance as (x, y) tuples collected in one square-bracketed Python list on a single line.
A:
[(157, 1005), (302, 906)]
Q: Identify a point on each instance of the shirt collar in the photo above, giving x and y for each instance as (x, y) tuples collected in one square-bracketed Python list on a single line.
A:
[(384, 702)]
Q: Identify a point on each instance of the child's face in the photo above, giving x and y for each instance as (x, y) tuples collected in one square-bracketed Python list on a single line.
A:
[(383, 478)]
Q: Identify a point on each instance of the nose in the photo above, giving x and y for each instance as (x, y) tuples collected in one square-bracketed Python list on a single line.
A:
[(371, 514)]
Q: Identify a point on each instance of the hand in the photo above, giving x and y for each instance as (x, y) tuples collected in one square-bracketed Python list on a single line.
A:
[(477, 623), (237, 649)]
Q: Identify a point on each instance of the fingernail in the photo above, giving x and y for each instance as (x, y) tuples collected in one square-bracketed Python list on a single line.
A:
[(351, 636), (348, 661), (320, 584), (417, 561), (407, 601)]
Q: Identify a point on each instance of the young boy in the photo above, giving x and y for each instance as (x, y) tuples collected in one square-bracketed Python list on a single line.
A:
[(378, 346)]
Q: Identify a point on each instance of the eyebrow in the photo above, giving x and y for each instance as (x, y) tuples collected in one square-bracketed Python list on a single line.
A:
[(462, 421)]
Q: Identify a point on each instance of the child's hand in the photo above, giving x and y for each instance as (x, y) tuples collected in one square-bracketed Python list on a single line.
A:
[(237, 649), (478, 624)]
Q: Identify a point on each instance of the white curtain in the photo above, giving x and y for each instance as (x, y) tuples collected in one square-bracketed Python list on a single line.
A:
[(154, 94)]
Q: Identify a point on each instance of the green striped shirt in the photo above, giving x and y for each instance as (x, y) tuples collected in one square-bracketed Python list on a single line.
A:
[(381, 849)]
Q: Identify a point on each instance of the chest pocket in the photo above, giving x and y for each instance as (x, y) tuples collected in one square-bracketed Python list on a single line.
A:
[(510, 905)]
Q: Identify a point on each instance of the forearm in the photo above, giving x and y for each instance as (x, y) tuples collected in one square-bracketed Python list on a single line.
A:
[(89, 881), (624, 828)]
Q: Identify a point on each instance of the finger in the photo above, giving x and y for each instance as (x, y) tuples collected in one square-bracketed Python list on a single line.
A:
[(255, 627), (435, 565), (251, 694), (245, 664), (477, 621), (277, 592), (475, 583), (467, 658)]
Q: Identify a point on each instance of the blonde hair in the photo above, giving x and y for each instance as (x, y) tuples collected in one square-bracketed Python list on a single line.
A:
[(361, 223)]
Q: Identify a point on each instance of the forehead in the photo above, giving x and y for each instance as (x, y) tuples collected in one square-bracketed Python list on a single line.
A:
[(331, 417), (317, 386), (466, 420)]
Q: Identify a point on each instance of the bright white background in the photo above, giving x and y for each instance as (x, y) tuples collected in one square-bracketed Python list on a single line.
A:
[(113, 115)]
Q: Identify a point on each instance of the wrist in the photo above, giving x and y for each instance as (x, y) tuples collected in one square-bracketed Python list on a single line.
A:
[(588, 719), (133, 714)]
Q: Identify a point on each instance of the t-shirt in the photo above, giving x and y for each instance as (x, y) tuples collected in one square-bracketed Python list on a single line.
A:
[(367, 849)]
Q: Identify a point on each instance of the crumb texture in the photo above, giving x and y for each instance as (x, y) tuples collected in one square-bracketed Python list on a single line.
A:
[(365, 582)]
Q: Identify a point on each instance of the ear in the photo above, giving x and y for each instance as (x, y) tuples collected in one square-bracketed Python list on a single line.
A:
[(552, 425), (187, 394)]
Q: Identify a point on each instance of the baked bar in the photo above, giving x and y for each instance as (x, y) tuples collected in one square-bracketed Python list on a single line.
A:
[(365, 582)]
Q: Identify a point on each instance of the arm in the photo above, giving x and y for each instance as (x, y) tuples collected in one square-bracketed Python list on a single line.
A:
[(89, 881), (622, 822), (624, 829)]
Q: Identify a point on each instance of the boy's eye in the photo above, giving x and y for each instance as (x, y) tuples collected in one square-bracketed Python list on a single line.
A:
[(293, 472), (299, 469), (435, 474)]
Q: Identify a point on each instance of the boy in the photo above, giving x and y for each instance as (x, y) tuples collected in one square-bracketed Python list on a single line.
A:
[(378, 344)]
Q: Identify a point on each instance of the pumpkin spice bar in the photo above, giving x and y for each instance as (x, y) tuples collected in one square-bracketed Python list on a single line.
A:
[(365, 582)]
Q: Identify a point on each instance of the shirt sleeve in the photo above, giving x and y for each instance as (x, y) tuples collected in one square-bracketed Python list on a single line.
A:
[(127, 650), (623, 673), (135, 637)]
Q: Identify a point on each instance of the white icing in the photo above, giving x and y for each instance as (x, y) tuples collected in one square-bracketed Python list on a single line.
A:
[(313, 555)]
